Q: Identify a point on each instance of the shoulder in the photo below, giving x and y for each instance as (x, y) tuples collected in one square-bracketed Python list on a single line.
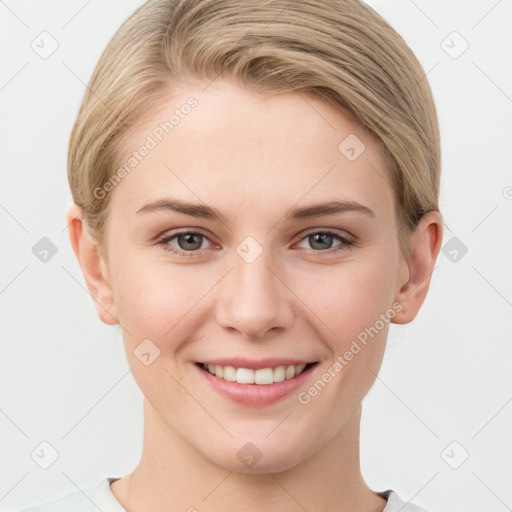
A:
[(96, 497), (396, 504)]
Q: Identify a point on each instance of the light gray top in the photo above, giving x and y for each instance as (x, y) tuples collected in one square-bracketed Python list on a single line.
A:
[(99, 496)]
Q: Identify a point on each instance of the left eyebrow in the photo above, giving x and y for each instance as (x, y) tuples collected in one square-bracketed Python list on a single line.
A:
[(329, 208), (307, 212)]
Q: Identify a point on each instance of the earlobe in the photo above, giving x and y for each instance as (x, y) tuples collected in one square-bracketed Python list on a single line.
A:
[(92, 265), (425, 244)]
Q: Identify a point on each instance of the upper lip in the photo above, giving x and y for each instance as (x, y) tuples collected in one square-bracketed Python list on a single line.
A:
[(240, 362)]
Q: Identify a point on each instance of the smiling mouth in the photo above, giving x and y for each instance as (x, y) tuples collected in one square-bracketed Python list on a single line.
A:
[(263, 376)]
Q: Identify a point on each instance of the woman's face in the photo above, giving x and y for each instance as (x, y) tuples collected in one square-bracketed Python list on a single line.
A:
[(248, 271)]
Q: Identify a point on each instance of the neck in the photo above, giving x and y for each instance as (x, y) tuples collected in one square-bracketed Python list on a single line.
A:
[(172, 475)]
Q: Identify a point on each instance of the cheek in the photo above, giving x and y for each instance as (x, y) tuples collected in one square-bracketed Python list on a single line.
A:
[(160, 303), (349, 306), (350, 298), (155, 299)]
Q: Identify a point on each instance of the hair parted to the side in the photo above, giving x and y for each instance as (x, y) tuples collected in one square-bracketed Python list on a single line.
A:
[(340, 50)]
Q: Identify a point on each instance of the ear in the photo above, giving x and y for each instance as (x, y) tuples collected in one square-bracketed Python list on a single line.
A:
[(93, 266), (425, 246)]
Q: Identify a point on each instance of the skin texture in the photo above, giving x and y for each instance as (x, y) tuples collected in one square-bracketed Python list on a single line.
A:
[(252, 159)]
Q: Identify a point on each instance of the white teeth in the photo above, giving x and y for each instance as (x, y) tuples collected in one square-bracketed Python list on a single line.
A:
[(249, 376), (230, 373), (264, 376), (290, 372), (219, 371), (245, 376), (299, 368), (279, 374)]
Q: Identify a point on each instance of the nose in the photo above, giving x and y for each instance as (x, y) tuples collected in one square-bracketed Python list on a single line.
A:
[(255, 298)]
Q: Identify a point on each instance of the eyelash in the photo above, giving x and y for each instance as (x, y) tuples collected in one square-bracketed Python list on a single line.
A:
[(346, 243)]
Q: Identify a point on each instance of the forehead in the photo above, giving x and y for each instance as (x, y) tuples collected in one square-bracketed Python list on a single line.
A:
[(225, 144)]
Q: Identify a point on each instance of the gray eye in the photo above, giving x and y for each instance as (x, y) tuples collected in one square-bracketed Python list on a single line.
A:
[(189, 241), (321, 241)]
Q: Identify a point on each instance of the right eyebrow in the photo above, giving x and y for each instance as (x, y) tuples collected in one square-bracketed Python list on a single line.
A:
[(193, 209)]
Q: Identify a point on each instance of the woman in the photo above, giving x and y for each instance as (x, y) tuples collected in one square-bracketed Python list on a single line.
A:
[(256, 198)]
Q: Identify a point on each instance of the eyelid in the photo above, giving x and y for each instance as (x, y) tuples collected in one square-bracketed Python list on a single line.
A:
[(171, 234), (193, 230), (346, 242), (341, 233)]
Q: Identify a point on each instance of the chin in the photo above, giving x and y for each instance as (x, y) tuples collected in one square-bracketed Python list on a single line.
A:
[(254, 460), (260, 468)]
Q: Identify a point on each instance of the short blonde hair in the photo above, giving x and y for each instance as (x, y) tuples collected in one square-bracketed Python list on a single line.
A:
[(340, 50)]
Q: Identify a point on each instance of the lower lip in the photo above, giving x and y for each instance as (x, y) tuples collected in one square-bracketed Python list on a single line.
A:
[(256, 394)]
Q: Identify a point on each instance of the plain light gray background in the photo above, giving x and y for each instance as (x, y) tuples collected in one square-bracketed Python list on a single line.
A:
[(445, 387)]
